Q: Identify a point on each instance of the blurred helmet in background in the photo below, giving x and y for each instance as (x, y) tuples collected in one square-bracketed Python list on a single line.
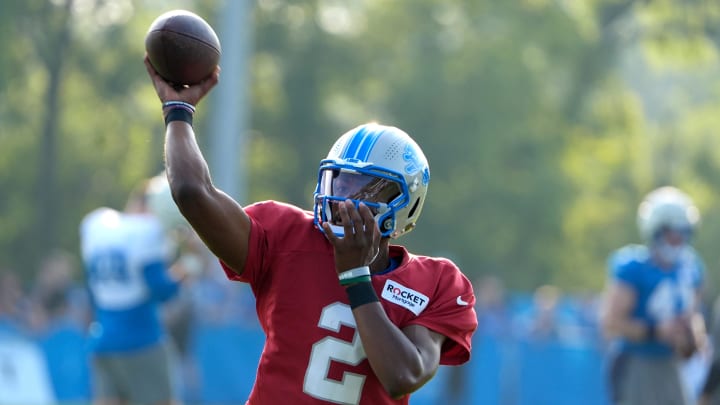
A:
[(666, 208), (161, 204)]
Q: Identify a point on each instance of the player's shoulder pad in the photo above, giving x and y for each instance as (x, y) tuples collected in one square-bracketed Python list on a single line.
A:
[(271, 211), (693, 259), (444, 271), (437, 262), (627, 257), (692, 254)]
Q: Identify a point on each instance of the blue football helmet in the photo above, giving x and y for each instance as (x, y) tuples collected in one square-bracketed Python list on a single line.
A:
[(380, 166)]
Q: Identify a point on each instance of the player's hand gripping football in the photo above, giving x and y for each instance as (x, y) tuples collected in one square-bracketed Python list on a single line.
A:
[(189, 94), (361, 242)]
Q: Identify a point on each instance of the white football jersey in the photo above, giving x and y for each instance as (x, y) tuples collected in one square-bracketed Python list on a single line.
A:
[(115, 248)]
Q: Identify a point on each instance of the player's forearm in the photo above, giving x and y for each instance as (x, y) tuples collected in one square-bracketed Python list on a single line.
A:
[(699, 329), (393, 357), (188, 172), (631, 329), (189, 178)]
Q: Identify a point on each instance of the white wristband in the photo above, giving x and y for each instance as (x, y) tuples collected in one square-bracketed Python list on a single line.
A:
[(356, 272)]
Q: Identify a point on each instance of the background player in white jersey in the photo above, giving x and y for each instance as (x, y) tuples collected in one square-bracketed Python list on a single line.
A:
[(348, 317), (127, 258), (651, 307)]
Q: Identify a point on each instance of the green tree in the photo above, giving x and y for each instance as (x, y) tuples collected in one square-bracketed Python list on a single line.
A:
[(544, 122)]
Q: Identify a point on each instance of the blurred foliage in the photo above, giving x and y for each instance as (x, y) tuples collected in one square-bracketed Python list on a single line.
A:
[(545, 121)]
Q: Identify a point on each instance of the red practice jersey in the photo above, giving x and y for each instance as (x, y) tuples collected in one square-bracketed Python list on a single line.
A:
[(313, 353)]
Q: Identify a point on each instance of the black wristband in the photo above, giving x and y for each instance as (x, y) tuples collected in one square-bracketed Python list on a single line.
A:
[(360, 294), (178, 114)]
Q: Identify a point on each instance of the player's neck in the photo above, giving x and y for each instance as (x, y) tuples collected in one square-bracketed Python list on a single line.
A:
[(382, 260)]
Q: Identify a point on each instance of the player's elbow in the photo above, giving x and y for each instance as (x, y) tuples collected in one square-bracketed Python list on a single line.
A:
[(398, 388), (187, 193), (405, 383)]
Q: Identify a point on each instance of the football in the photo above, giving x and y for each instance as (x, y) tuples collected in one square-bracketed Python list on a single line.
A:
[(182, 47)]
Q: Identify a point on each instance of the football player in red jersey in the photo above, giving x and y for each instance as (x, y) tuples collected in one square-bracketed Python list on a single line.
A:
[(349, 318)]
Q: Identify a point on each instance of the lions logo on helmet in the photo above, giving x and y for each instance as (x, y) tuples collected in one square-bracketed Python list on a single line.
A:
[(666, 207), (380, 166)]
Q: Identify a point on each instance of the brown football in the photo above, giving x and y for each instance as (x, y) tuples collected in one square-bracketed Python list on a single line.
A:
[(182, 47)]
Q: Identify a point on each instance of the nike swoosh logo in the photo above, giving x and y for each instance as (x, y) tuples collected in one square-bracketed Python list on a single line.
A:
[(461, 302)]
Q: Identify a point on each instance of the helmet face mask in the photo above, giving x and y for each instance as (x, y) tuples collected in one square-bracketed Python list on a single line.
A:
[(350, 184), (381, 167)]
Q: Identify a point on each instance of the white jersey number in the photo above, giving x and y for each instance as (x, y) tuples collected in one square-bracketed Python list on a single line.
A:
[(668, 298), (316, 383)]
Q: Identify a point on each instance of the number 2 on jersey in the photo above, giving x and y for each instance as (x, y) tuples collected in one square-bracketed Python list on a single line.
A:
[(317, 383)]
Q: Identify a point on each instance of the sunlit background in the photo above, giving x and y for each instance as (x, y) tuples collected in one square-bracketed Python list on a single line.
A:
[(544, 121)]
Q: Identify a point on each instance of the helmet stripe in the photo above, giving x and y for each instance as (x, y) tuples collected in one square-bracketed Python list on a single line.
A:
[(367, 144), (361, 143), (352, 146)]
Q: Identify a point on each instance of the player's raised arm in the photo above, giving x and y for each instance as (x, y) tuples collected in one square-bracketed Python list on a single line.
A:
[(218, 219)]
